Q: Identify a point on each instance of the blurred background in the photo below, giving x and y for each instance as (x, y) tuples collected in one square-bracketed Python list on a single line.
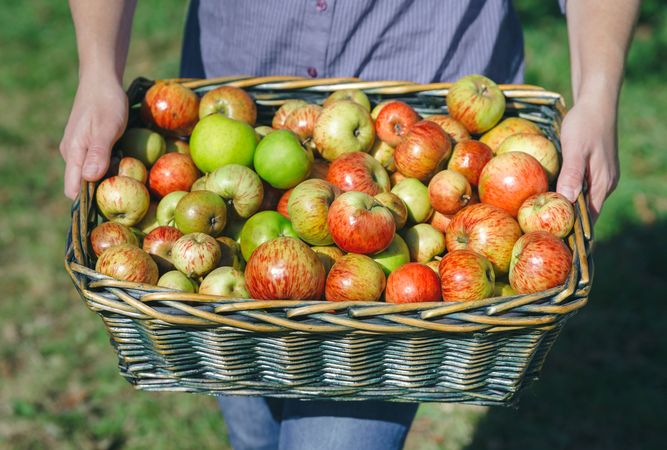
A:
[(604, 382)]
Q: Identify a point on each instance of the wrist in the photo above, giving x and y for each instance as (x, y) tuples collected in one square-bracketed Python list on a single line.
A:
[(97, 75)]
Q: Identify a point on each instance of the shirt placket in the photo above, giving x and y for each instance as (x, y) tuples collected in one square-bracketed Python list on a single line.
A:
[(314, 42)]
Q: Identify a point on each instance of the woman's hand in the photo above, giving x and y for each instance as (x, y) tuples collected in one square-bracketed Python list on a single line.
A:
[(97, 120), (589, 145)]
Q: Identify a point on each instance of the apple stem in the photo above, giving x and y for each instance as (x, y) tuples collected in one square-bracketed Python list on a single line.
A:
[(465, 199)]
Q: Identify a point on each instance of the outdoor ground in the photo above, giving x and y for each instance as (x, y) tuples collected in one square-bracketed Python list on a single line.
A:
[(603, 385)]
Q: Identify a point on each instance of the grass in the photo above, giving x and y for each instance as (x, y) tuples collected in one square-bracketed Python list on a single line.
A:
[(601, 386)]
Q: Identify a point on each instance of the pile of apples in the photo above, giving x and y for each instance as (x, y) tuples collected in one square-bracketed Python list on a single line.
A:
[(335, 201)]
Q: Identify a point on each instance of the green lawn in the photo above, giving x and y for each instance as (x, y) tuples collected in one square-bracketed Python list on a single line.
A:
[(602, 386)]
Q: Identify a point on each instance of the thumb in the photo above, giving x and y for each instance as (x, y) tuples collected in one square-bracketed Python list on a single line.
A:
[(572, 173), (97, 157)]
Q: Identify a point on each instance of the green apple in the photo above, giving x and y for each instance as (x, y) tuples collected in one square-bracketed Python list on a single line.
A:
[(393, 256), (262, 227), (149, 222), (239, 186), (226, 282), (231, 253), (355, 95), (218, 140), (167, 207), (425, 242), (201, 212), (178, 281), (343, 127), (141, 143), (415, 196), (281, 160)]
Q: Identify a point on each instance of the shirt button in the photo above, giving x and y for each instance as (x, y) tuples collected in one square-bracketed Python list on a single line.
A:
[(312, 72), (321, 5)]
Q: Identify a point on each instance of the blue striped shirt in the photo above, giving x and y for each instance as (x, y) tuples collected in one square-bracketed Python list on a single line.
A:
[(415, 40)]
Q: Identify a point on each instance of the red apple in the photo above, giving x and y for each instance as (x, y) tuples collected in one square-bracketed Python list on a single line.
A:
[(540, 261), (171, 108), (537, 146), (355, 277), (506, 128), (123, 200), (133, 168), (469, 158), (476, 102), (440, 221), (422, 150), (108, 234), (239, 186), (509, 179), (487, 230), (360, 224), (549, 212), (129, 263), (301, 122), (343, 127), (397, 207), (195, 254), (284, 269), (172, 172), (448, 192), (397, 177), (308, 208), (455, 129), (465, 276), (412, 283), (394, 120), (201, 212), (230, 101), (284, 111), (283, 202), (158, 244), (360, 172)]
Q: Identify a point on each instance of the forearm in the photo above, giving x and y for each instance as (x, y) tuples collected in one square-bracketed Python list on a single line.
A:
[(103, 35), (600, 33)]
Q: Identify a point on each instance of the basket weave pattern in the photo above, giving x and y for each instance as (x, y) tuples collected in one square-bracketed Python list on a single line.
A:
[(481, 352)]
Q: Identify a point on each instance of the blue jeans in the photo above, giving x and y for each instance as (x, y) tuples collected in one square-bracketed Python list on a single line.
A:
[(256, 423)]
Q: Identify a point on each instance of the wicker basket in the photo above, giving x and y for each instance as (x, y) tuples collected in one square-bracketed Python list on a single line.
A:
[(481, 352)]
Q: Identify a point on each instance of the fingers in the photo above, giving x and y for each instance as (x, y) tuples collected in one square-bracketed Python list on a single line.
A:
[(96, 161), (572, 173), (74, 156)]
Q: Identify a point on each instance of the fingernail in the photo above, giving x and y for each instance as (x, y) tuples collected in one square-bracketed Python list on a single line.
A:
[(568, 193), (90, 170)]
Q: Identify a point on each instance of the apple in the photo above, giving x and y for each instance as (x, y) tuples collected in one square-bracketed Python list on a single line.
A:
[(397, 207), (466, 276), (172, 172), (141, 143), (158, 244), (320, 169), (434, 265), (302, 123), (166, 208), (284, 111), (503, 289), (384, 153), (308, 207), (199, 184), (422, 150), (264, 226), (343, 127), (487, 230), (231, 253), (440, 221), (149, 222), (283, 203), (233, 230), (376, 110), (358, 171), (393, 122), (133, 168), (226, 282), (171, 108), (218, 140), (355, 95), (195, 254), (108, 234), (549, 211), (506, 128), (537, 146), (285, 269), (262, 131), (201, 212), (424, 241), (123, 200), (412, 283), (177, 146), (239, 186), (355, 277), (509, 179), (540, 261), (270, 198), (469, 158), (177, 281), (477, 102), (229, 101), (328, 255), (360, 224), (454, 129), (449, 192), (129, 263), (415, 196), (281, 161), (393, 256), (396, 178)]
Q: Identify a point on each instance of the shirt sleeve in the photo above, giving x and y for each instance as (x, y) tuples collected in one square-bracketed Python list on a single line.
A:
[(562, 3)]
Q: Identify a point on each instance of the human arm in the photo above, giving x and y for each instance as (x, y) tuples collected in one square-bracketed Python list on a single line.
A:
[(599, 33), (99, 113)]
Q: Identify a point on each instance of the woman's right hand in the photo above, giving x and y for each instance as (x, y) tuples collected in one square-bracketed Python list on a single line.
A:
[(98, 118)]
